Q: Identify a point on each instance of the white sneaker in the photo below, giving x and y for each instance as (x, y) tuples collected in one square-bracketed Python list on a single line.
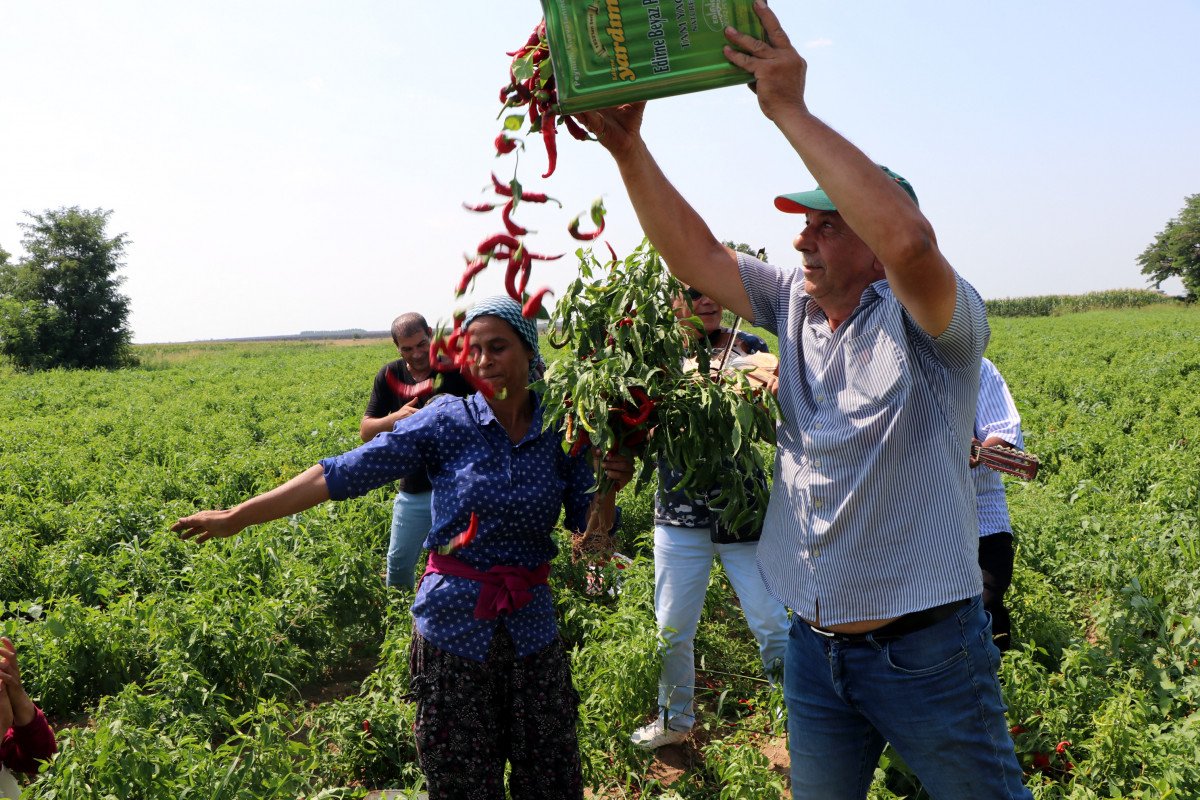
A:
[(655, 734)]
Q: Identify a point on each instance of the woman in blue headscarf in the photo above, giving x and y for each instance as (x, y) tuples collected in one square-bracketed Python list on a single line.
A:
[(488, 669)]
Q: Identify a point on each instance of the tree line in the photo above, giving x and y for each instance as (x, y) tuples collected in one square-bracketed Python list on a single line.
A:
[(60, 304)]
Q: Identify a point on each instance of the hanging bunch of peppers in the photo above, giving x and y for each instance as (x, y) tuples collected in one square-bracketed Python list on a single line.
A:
[(530, 91), (627, 386)]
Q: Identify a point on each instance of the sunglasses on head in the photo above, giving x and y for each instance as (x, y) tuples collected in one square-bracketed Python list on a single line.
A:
[(693, 294)]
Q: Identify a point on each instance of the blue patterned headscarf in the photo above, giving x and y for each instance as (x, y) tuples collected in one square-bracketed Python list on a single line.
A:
[(506, 308)]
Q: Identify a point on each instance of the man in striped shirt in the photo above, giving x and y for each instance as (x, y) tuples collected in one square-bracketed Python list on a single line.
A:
[(997, 422), (870, 535)]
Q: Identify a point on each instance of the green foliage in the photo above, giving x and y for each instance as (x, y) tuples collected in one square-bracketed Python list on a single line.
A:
[(1056, 304), (624, 342), (1175, 251), (175, 670), (60, 305)]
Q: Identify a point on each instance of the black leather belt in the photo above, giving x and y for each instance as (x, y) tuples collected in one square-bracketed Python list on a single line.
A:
[(900, 626)]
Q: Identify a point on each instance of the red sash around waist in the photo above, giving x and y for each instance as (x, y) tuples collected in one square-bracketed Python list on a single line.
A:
[(503, 589)]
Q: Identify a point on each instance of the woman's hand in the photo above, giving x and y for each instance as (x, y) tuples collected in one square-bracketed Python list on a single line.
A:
[(207, 525), (617, 468), (21, 708)]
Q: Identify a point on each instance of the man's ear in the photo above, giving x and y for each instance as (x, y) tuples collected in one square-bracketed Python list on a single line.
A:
[(877, 266)]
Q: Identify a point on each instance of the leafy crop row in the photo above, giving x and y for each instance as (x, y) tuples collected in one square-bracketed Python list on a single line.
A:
[(174, 671)]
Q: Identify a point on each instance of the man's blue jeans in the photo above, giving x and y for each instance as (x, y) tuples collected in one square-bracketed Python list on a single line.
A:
[(412, 517), (933, 695), (683, 559)]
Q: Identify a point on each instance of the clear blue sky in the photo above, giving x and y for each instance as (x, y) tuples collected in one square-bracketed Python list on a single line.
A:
[(287, 166)]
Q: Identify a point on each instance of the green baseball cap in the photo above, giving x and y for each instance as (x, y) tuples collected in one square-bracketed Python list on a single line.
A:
[(817, 200)]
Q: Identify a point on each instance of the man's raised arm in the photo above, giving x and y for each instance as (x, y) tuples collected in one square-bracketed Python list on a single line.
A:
[(692, 252), (870, 202)]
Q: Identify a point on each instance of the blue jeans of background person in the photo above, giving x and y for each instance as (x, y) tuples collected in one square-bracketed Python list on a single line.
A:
[(682, 562), (412, 517), (933, 695)]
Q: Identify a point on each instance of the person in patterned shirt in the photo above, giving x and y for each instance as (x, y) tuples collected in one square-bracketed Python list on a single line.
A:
[(687, 536), (487, 667)]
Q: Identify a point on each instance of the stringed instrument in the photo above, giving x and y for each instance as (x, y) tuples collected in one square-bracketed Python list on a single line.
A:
[(1008, 460)]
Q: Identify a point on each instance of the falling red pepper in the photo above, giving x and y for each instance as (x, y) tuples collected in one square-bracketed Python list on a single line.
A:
[(480, 207), (534, 304), (492, 242), (503, 189), (506, 215), (548, 139), (441, 346), (504, 144), (461, 540), (575, 129), (473, 268), (409, 390), (597, 213)]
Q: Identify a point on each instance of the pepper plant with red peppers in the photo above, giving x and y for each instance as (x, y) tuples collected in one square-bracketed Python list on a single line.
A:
[(626, 387)]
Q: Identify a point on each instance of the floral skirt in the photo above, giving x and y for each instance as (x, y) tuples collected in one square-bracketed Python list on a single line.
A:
[(472, 717)]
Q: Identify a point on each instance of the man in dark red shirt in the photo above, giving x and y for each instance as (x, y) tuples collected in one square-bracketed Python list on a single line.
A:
[(395, 396)]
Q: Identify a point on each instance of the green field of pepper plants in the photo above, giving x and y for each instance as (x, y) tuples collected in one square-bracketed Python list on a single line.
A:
[(274, 665)]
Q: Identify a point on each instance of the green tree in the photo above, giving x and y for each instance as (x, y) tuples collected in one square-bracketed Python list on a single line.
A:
[(1175, 252), (60, 305)]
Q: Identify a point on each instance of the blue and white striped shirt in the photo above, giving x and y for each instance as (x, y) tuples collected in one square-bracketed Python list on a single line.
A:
[(996, 415), (872, 513)]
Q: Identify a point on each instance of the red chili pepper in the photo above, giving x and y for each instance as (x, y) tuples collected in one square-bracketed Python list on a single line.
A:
[(510, 279), (473, 269), (612, 252), (478, 384), (534, 304), (503, 189), (548, 138), (1062, 747), (506, 215), (626, 322), (367, 727), (1041, 761), (575, 129), (583, 441), (537, 257), (462, 352), (645, 407), (461, 540), (481, 207), (539, 55), (537, 197), (597, 217), (504, 144), (409, 390), (523, 282), (492, 242), (441, 346)]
